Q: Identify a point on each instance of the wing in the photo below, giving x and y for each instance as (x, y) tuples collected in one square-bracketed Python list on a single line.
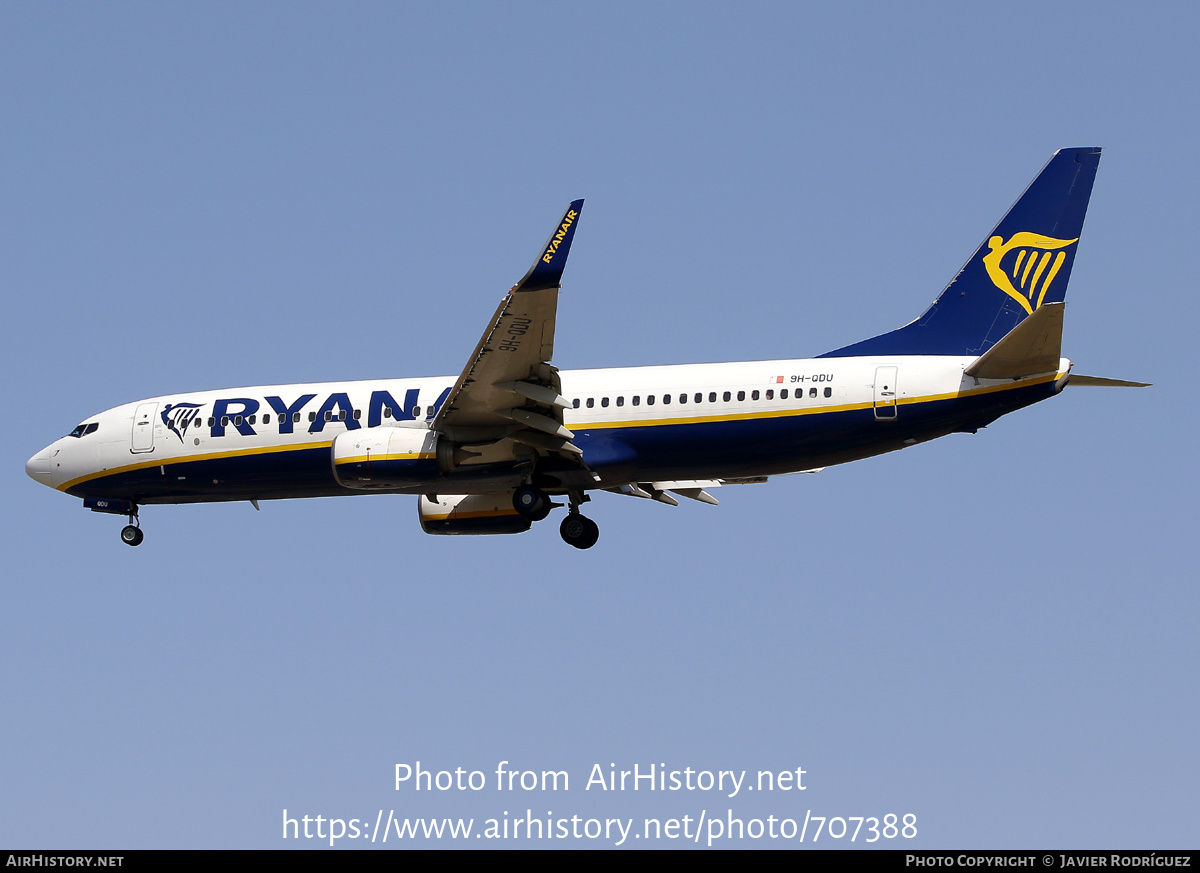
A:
[(691, 488), (508, 390)]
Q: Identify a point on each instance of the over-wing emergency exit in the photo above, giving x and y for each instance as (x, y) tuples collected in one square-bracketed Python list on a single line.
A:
[(511, 438)]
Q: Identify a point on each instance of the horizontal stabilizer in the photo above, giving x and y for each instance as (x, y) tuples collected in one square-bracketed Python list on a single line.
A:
[(1101, 382), (1033, 346)]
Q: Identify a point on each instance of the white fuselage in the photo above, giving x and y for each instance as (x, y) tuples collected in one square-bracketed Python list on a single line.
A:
[(698, 421)]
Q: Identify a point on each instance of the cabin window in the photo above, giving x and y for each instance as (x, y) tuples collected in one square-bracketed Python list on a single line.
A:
[(828, 392), (328, 415), (699, 398), (812, 392), (753, 395), (312, 416), (604, 401), (387, 412), (666, 398), (683, 398), (712, 396), (783, 394), (357, 414), (620, 401), (741, 395), (725, 396), (770, 393), (649, 399), (575, 403), (341, 415), (591, 402), (252, 419), (295, 417), (237, 421), (637, 400), (212, 421)]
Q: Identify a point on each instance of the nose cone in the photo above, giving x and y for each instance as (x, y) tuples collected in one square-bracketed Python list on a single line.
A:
[(38, 468)]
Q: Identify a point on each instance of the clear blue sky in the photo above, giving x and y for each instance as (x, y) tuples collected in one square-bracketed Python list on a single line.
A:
[(996, 633)]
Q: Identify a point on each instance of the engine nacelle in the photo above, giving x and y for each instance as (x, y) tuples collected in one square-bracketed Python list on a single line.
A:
[(386, 457), (491, 513)]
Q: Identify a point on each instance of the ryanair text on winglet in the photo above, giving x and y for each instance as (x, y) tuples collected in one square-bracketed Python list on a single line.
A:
[(558, 237)]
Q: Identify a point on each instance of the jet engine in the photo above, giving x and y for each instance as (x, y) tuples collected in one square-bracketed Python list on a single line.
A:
[(490, 513), (386, 457)]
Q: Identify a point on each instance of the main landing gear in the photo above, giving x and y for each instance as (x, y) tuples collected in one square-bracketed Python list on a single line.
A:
[(531, 502), (579, 531), (576, 530)]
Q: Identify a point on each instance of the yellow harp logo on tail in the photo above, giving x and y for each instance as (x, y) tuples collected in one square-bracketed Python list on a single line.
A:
[(1033, 269)]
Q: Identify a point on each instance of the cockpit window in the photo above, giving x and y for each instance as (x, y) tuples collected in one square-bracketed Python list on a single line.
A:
[(84, 429)]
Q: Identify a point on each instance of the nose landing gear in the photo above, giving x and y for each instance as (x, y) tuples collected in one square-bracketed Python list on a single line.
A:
[(131, 534)]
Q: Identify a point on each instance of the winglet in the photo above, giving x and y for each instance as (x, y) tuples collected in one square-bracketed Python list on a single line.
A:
[(547, 270)]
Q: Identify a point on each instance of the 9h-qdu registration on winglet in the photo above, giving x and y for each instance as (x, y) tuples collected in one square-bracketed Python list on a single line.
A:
[(488, 452)]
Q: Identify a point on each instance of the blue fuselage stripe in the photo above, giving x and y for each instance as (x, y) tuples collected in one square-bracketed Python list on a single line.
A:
[(646, 452)]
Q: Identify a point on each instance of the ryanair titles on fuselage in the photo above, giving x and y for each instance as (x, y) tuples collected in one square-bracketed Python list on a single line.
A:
[(235, 412)]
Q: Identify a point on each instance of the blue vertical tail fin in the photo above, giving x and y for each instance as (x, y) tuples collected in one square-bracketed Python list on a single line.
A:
[(1022, 265)]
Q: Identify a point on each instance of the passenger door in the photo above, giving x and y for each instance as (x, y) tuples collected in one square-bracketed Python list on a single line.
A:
[(885, 393), (142, 438)]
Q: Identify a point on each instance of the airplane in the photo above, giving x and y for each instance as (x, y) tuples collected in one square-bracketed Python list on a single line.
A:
[(489, 452)]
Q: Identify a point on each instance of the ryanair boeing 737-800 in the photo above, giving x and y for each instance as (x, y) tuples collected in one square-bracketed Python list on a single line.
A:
[(489, 451)]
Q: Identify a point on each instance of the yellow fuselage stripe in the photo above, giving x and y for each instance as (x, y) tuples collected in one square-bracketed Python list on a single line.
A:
[(210, 456), (581, 426)]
